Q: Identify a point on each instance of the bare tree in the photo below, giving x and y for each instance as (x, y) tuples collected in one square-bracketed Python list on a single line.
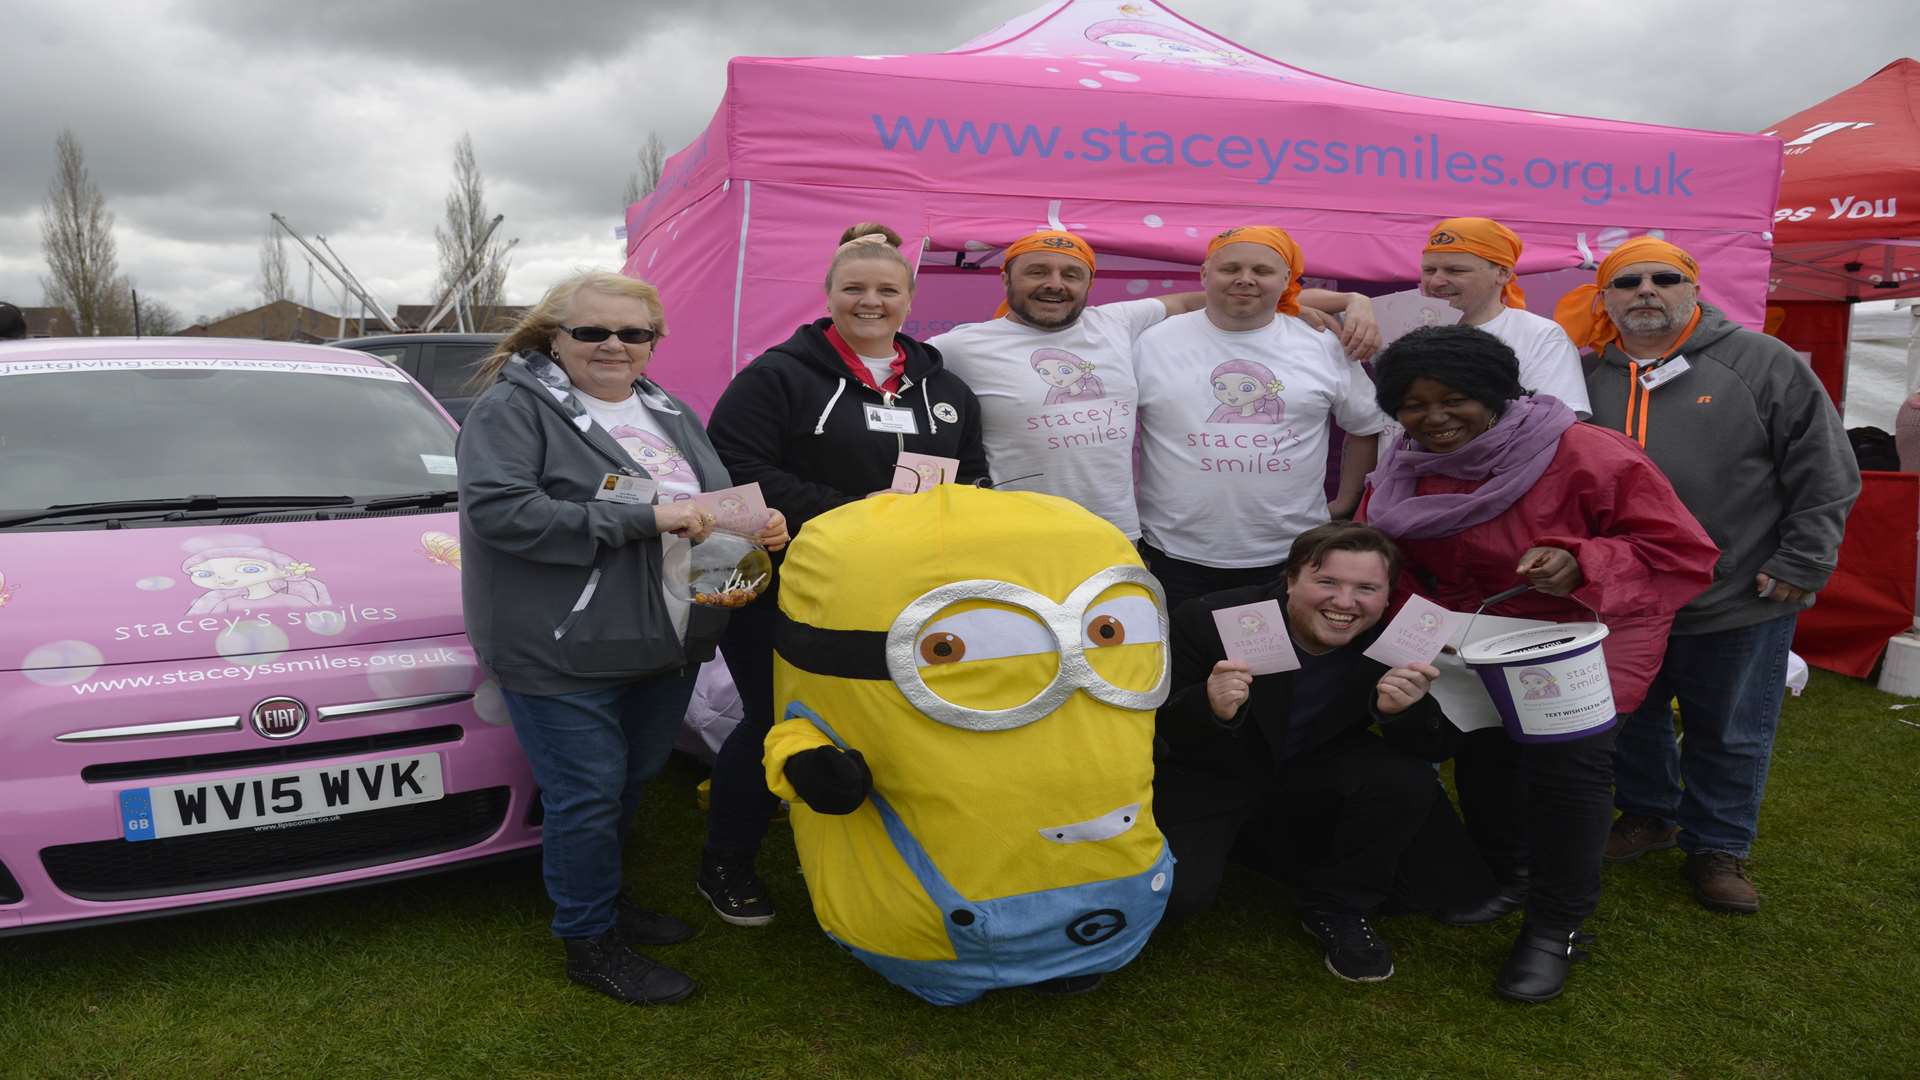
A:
[(76, 232), (643, 180), (158, 317), (458, 240), (274, 277)]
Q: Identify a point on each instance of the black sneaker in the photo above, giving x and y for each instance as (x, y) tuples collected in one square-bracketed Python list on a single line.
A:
[(607, 965), (644, 926), (736, 892), (1354, 952)]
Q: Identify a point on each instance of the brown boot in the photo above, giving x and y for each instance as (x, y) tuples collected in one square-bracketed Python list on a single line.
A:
[(1720, 882), (1634, 835)]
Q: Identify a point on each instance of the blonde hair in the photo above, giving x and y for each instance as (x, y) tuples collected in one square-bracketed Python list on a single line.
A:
[(535, 329), (865, 241)]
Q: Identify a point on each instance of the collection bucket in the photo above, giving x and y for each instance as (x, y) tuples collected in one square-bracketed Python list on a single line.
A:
[(1549, 683)]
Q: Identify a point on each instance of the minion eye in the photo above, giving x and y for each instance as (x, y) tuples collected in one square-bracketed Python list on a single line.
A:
[(981, 634), (942, 649), (1120, 620)]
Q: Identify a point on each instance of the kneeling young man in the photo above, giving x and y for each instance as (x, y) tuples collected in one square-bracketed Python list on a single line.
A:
[(1292, 757)]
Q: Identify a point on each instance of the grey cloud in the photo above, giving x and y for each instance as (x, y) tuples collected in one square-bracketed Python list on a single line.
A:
[(201, 116), (490, 40)]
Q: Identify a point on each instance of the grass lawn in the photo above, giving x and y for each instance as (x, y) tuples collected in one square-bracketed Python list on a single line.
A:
[(455, 975)]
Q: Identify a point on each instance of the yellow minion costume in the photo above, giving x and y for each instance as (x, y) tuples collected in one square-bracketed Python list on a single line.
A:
[(967, 682)]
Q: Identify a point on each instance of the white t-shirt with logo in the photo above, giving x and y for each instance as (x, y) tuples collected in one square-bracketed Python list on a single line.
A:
[(632, 426), (1548, 361), (1233, 435), (1059, 403), (641, 436)]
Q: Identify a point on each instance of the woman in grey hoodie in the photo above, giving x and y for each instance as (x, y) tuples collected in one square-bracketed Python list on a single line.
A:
[(568, 545)]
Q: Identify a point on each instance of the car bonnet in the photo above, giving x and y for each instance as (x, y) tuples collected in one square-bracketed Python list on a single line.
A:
[(75, 601)]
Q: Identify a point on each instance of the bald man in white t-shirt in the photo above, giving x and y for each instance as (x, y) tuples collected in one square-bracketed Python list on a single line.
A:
[(1234, 440)]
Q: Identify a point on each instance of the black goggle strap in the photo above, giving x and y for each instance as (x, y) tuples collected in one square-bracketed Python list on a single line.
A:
[(837, 654)]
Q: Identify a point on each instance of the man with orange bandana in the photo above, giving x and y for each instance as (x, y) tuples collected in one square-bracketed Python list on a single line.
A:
[(1746, 433), (1234, 401), (1055, 378), (1469, 262)]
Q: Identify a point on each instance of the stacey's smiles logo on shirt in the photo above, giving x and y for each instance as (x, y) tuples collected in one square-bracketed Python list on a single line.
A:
[(661, 459), (1068, 377), (1083, 424), (1248, 393)]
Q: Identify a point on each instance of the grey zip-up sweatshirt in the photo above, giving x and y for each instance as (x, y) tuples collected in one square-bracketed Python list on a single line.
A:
[(1755, 450), (533, 538)]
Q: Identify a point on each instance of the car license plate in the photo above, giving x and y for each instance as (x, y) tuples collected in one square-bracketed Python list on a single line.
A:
[(274, 799)]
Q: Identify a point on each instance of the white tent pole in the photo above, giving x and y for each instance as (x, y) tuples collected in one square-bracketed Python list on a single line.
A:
[(740, 275)]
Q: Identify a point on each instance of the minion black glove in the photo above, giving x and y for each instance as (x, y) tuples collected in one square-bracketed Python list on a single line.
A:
[(830, 781)]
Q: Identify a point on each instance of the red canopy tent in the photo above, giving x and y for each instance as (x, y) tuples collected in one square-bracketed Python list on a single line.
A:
[(1848, 229), (1848, 226)]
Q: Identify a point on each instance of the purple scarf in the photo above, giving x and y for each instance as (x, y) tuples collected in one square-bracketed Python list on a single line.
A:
[(1508, 458)]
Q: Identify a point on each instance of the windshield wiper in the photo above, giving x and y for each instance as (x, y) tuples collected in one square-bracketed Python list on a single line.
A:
[(417, 500), (189, 504)]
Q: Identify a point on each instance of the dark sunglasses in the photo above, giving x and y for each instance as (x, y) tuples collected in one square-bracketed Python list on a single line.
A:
[(593, 335), (1665, 280)]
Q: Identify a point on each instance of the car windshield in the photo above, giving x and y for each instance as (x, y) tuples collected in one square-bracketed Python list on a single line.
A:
[(110, 430)]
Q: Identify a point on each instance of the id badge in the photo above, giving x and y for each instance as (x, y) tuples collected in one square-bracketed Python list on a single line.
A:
[(1664, 374), (631, 490), (891, 420)]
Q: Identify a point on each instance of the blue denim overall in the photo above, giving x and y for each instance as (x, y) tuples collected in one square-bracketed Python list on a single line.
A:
[(1016, 940)]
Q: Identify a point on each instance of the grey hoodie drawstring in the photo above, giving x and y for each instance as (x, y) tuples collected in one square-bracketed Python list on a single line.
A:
[(820, 425)]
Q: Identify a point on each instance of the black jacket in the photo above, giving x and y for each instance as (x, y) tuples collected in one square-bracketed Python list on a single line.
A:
[(793, 421), (1192, 736)]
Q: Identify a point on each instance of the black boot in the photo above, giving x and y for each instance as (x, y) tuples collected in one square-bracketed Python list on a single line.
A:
[(605, 964), (1536, 970)]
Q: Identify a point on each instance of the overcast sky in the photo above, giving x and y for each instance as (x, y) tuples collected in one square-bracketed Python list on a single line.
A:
[(198, 117)]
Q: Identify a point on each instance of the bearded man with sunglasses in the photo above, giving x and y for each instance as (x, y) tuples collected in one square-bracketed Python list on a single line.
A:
[(1750, 440)]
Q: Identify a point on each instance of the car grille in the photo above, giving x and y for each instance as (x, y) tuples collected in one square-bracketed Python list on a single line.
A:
[(126, 870), (269, 755), (9, 888)]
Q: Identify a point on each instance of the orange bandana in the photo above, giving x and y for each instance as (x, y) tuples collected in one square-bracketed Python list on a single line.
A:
[(1581, 314), (1486, 238), (1056, 241), (1282, 244)]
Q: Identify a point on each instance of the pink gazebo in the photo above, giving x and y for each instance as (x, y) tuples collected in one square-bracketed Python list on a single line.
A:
[(1147, 134)]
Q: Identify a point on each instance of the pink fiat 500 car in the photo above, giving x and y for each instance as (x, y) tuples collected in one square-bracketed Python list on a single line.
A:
[(232, 664)]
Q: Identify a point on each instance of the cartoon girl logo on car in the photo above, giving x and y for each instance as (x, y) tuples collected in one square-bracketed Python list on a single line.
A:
[(1539, 684), (660, 458), (1248, 393), (1069, 377), (239, 577)]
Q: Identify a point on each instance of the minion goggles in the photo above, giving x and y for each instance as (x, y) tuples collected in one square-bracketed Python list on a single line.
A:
[(892, 654)]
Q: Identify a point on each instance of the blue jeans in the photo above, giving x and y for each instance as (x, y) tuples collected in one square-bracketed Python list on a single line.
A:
[(592, 754), (1730, 684)]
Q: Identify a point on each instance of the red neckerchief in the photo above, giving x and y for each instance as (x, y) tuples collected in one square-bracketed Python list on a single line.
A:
[(859, 366)]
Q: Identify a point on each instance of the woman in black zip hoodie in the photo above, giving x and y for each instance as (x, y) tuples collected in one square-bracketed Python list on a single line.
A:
[(819, 421)]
